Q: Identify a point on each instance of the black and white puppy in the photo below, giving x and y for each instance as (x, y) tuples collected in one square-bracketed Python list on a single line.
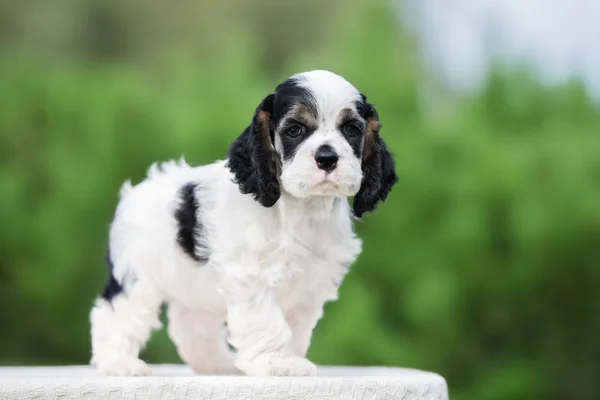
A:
[(253, 245)]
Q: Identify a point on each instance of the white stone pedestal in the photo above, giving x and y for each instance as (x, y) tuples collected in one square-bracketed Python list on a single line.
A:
[(178, 382)]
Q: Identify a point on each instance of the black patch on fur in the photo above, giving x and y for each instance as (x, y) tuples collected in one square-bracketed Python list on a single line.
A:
[(112, 288), (362, 106), (379, 167), (287, 95), (357, 145), (379, 176), (252, 158), (290, 93), (290, 145), (189, 228), (356, 142)]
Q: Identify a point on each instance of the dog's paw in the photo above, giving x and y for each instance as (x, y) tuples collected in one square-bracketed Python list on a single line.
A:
[(284, 366), (128, 366)]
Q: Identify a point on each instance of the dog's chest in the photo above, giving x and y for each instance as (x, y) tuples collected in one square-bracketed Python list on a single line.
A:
[(307, 242), (311, 257)]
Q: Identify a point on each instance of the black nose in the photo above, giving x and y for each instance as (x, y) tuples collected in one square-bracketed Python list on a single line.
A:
[(326, 158)]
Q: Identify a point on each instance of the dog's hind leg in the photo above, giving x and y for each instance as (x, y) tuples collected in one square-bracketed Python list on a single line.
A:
[(121, 323), (200, 337)]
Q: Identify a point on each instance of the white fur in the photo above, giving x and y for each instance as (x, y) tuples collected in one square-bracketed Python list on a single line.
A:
[(270, 270)]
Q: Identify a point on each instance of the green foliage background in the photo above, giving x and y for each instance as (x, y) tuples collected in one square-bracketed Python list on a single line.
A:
[(483, 265)]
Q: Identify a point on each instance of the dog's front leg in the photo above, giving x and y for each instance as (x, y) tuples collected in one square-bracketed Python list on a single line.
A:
[(302, 319), (260, 332)]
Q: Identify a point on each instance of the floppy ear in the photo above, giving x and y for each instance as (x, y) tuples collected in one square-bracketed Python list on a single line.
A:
[(378, 165), (253, 160)]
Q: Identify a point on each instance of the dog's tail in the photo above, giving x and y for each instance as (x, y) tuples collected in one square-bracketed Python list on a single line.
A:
[(155, 170)]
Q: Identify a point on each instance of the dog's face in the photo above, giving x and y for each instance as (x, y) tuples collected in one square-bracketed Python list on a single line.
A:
[(315, 136), (319, 135)]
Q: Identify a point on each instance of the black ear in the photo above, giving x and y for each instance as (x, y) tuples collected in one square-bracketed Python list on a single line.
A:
[(378, 165), (253, 160)]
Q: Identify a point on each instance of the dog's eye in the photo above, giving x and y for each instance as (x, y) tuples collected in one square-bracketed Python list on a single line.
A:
[(294, 131), (351, 130)]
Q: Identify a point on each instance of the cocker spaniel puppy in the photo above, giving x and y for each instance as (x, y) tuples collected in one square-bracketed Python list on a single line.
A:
[(249, 248)]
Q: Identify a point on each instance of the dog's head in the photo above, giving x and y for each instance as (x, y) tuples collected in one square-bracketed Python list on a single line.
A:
[(315, 136)]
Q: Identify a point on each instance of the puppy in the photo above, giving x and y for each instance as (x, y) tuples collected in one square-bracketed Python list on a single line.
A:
[(249, 248)]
